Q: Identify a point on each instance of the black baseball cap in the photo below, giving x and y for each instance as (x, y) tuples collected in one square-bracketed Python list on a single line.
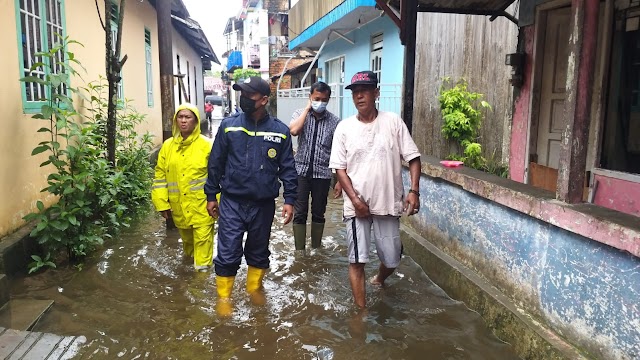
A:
[(254, 84), (363, 78)]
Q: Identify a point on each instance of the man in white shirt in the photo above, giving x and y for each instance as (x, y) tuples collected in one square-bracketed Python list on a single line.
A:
[(367, 155)]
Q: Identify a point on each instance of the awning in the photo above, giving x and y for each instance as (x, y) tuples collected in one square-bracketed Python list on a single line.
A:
[(192, 32), (493, 8), (471, 7), (234, 61), (342, 19)]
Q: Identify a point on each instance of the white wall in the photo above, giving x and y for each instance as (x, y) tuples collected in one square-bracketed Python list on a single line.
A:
[(256, 31), (196, 76)]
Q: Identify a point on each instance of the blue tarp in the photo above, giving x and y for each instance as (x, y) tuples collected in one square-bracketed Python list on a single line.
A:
[(235, 60)]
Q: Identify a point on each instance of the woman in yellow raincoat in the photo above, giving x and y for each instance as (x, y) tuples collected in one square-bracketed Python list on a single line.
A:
[(178, 186)]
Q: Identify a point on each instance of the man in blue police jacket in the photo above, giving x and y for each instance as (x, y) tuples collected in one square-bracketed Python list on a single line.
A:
[(251, 151)]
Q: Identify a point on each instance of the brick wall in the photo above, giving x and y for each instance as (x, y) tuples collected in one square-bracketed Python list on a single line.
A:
[(275, 69)]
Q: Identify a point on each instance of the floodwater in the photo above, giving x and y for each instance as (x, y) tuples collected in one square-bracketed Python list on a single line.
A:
[(139, 299)]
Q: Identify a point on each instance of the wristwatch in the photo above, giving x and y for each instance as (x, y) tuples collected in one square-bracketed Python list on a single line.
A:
[(415, 192)]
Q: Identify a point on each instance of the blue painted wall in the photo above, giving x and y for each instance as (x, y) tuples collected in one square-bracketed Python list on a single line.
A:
[(357, 56), (588, 291)]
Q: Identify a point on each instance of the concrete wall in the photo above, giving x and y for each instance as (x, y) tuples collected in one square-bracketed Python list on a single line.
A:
[(474, 48), (196, 75), (586, 291), (20, 174)]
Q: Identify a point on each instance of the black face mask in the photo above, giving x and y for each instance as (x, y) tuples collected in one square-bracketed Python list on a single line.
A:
[(247, 105)]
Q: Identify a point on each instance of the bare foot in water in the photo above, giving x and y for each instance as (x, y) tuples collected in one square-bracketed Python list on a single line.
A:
[(375, 282)]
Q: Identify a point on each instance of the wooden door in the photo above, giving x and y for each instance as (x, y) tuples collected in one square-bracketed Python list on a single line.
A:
[(553, 87)]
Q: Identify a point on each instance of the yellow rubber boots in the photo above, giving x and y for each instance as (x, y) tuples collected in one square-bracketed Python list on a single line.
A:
[(224, 285), (254, 285)]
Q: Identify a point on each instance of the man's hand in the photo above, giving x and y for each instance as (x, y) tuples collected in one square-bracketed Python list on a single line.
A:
[(362, 209), (287, 213), (337, 190), (411, 204), (166, 214), (212, 209)]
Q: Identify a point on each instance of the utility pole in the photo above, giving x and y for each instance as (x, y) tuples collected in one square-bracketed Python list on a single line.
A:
[(163, 12)]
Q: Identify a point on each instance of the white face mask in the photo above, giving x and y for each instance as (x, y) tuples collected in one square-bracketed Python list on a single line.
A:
[(319, 106)]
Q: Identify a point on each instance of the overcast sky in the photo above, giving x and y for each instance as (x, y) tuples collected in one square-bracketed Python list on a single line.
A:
[(212, 16)]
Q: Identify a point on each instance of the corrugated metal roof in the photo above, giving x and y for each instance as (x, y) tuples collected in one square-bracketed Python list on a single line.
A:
[(192, 32)]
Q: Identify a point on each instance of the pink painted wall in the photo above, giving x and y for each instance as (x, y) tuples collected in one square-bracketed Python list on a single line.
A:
[(519, 127), (617, 194)]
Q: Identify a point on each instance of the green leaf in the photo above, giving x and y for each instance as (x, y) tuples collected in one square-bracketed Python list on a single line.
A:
[(33, 79), (40, 149), (50, 264), (47, 111), (37, 65), (59, 225), (36, 258), (73, 220)]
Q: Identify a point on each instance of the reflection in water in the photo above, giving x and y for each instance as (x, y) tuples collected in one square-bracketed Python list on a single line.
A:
[(139, 299)]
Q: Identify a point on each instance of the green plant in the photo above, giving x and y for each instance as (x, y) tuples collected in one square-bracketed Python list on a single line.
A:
[(462, 114), (240, 74), (461, 110), (94, 198), (39, 263), (495, 166), (473, 155)]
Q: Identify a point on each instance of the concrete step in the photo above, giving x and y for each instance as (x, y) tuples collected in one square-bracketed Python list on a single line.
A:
[(23, 314), (4, 290), (27, 345), (16, 250)]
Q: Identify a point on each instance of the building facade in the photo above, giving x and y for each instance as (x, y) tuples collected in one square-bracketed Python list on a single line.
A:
[(34, 24), (347, 37)]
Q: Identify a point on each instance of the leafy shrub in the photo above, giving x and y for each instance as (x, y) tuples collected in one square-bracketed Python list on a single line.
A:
[(462, 114), (94, 198), (240, 74)]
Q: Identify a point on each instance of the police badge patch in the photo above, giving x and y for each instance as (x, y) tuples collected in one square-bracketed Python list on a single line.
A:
[(272, 153)]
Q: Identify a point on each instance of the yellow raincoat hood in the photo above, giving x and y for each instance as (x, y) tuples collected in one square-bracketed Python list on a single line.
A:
[(180, 175), (176, 129)]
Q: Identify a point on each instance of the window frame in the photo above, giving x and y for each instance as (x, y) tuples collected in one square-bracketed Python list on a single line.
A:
[(34, 106), (373, 51), (148, 60)]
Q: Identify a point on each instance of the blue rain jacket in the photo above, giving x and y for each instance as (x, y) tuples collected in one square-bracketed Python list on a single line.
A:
[(249, 157)]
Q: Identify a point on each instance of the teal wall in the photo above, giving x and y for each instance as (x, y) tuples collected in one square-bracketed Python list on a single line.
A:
[(357, 56)]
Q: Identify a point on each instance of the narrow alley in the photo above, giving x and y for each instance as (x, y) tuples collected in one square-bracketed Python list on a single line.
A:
[(138, 299)]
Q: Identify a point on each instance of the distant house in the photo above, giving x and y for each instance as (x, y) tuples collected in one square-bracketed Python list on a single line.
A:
[(34, 24), (348, 36)]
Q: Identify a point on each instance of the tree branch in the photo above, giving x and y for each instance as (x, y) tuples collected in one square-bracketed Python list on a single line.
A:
[(100, 16), (124, 60)]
